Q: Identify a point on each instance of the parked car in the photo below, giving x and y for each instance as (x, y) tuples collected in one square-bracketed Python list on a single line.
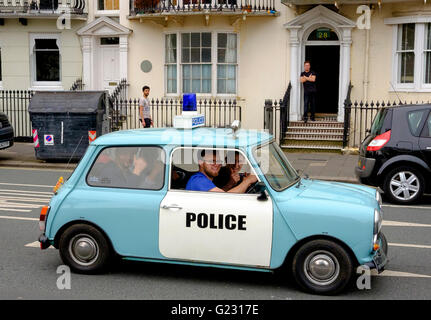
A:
[(396, 155), (6, 132), (318, 231)]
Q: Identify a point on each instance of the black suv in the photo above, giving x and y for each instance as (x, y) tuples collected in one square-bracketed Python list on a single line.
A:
[(396, 155), (6, 132)]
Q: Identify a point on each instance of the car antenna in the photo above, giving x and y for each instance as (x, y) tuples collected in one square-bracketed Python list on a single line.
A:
[(60, 181), (396, 92)]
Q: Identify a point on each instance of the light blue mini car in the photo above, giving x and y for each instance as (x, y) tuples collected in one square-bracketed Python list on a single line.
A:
[(247, 208)]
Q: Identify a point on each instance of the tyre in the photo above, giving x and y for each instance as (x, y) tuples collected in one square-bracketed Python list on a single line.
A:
[(404, 185), (84, 249), (322, 267)]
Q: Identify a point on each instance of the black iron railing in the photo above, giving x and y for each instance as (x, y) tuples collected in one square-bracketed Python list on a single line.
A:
[(34, 6), (347, 109), (77, 85), (157, 6), (15, 104), (218, 113), (276, 115), (124, 112)]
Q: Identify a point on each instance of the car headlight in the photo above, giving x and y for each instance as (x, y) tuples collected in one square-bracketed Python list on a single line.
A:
[(379, 199), (377, 221)]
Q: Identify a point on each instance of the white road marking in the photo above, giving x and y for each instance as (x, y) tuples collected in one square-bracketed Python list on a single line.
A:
[(4, 204), (36, 244), (17, 210), (26, 191), (25, 185), (26, 194), (405, 207), (389, 273), (389, 223), (409, 245), (27, 199), (18, 218)]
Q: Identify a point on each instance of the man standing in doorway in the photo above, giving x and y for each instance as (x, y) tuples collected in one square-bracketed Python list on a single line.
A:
[(308, 79), (144, 108)]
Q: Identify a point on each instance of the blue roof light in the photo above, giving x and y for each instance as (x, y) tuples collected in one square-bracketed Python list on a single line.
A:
[(189, 102)]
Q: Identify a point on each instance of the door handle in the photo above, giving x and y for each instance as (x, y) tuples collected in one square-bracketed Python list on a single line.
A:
[(172, 206)]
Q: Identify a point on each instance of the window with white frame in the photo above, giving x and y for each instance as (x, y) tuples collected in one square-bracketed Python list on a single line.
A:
[(412, 56), (226, 62), (406, 53), (1, 71), (201, 62), (45, 60), (108, 5), (427, 54), (171, 63)]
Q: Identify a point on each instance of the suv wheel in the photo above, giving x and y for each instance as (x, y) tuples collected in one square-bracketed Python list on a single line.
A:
[(404, 185)]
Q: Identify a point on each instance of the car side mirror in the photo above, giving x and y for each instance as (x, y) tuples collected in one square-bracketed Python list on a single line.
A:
[(261, 187)]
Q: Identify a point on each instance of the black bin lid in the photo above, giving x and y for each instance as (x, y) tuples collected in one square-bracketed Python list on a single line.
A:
[(66, 102)]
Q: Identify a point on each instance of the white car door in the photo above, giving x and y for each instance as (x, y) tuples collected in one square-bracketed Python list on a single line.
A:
[(213, 227)]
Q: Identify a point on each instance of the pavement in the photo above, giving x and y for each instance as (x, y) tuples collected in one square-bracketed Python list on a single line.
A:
[(323, 166)]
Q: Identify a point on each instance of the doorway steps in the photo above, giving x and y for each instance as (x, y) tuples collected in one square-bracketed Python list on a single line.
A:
[(323, 135)]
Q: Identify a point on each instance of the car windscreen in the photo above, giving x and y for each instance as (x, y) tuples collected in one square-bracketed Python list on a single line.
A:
[(275, 166)]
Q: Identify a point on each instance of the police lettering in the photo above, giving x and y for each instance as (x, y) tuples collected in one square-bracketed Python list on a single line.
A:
[(216, 221)]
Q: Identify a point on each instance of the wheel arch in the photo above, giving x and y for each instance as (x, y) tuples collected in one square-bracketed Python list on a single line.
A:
[(75, 222), (289, 257), (404, 160)]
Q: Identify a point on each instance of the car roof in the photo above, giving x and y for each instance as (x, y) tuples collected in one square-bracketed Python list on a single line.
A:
[(203, 136), (416, 106)]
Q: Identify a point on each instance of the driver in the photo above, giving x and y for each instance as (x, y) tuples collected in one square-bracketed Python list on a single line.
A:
[(209, 167)]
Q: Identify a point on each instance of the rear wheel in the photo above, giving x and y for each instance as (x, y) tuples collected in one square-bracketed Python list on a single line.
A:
[(322, 267), (84, 249), (404, 185)]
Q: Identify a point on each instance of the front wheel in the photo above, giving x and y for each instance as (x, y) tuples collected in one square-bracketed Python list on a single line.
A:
[(84, 249), (322, 267)]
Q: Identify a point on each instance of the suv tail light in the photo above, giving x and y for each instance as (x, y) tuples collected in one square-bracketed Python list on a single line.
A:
[(378, 142), (42, 218)]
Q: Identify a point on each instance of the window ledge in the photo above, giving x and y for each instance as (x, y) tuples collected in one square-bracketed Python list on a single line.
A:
[(107, 13), (410, 90), (47, 87)]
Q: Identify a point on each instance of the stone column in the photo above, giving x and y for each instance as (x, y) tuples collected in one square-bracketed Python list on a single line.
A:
[(295, 99), (87, 66), (345, 44)]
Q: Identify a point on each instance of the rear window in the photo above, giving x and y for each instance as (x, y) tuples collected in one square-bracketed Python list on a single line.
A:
[(415, 119), (129, 167), (381, 123)]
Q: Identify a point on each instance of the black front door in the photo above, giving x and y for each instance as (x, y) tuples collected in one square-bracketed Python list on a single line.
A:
[(325, 61)]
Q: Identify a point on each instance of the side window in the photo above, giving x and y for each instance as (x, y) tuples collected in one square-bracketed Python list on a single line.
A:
[(415, 119), (224, 169), (128, 167), (426, 132)]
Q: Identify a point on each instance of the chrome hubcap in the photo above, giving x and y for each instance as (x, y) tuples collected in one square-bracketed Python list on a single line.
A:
[(321, 268), (404, 185), (83, 249)]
